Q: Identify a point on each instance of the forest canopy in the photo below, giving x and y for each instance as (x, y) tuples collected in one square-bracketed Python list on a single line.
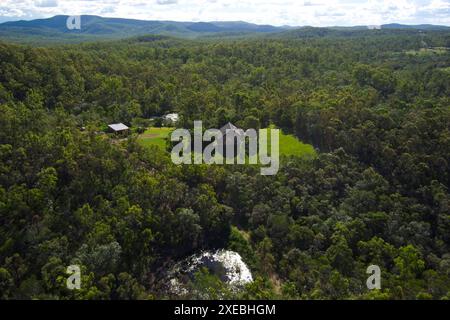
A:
[(376, 107)]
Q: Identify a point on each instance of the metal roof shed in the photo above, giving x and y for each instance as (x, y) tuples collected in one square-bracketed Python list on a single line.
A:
[(118, 127)]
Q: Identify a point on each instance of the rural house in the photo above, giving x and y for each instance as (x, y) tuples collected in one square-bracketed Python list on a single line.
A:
[(229, 134), (119, 128)]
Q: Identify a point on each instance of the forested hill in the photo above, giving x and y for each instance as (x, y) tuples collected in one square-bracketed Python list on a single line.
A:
[(357, 32), (95, 27), (376, 108)]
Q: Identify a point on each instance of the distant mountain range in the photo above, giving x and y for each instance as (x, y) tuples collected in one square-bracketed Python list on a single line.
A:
[(99, 27), (419, 26), (95, 27)]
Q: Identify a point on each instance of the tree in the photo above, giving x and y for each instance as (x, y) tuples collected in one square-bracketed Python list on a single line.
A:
[(409, 262)]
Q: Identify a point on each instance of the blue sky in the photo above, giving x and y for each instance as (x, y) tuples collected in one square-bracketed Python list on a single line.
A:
[(275, 12)]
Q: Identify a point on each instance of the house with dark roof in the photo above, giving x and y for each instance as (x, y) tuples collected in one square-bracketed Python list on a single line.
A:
[(230, 133)]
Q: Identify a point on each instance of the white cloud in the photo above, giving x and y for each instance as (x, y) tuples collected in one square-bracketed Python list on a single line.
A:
[(164, 2), (276, 12), (47, 3)]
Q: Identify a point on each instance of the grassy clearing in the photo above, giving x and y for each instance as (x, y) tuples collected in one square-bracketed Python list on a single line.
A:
[(427, 51), (155, 137), (291, 146)]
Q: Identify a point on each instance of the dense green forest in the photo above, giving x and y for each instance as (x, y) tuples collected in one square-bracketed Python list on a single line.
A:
[(376, 106)]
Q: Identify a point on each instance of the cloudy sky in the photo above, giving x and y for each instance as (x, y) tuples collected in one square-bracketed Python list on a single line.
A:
[(275, 12)]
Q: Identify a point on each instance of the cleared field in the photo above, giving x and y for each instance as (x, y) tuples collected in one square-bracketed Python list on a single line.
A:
[(155, 137), (291, 146), (428, 51)]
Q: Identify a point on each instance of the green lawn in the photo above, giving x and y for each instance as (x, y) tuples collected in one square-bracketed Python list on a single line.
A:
[(291, 146), (155, 137)]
